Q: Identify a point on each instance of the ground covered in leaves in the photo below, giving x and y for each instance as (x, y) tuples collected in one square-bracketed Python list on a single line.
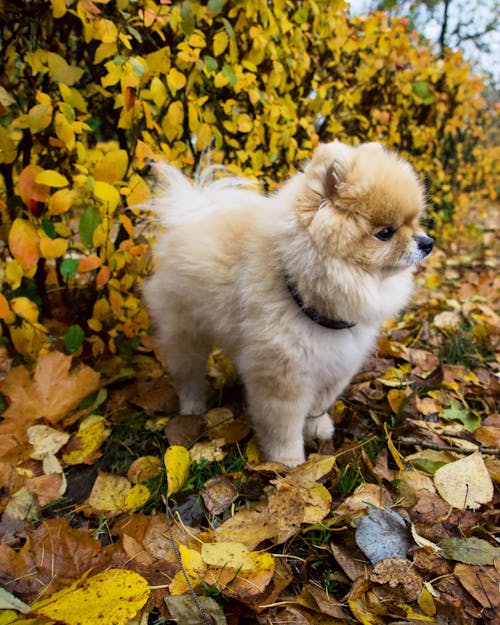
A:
[(115, 510)]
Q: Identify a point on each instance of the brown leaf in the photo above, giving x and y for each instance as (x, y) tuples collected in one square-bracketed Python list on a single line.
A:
[(53, 556), (218, 494), (482, 582), (489, 436), (398, 572), (184, 429), (317, 599)]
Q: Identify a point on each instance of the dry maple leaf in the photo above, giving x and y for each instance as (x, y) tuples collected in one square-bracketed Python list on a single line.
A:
[(51, 393)]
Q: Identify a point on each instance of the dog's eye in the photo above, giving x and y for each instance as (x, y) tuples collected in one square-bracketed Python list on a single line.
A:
[(385, 234)]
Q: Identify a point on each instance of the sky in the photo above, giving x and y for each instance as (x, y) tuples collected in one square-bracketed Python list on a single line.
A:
[(477, 13)]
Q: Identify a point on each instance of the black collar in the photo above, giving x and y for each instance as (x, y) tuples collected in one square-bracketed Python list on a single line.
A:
[(312, 313)]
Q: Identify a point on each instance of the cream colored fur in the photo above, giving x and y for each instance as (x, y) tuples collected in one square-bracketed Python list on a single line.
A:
[(220, 281)]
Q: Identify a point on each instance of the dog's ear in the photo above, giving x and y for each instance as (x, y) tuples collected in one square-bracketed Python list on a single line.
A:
[(327, 170)]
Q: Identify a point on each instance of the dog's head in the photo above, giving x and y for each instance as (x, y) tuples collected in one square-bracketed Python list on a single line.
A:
[(363, 204)]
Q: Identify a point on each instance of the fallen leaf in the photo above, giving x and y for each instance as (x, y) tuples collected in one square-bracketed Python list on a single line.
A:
[(457, 412), (481, 582), (489, 436), (115, 494), (9, 602), (185, 610), (51, 393), (430, 460), (218, 494), (469, 550), (144, 469), (177, 464), (465, 483), (382, 534), (84, 445), (208, 451), (251, 527), (108, 598), (410, 483), (398, 572), (365, 495), (232, 555)]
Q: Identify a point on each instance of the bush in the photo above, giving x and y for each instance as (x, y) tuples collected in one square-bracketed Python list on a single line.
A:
[(91, 91)]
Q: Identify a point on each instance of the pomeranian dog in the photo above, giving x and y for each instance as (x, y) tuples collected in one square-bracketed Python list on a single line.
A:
[(293, 287)]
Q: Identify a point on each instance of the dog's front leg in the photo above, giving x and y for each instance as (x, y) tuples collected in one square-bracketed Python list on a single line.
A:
[(319, 424), (278, 418)]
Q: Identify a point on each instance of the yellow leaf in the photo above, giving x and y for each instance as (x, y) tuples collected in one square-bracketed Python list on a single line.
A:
[(106, 31), (28, 338), (104, 51), (58, 8), (191, 560), (39, 117), (426, 603), (53, 248), (24, 243), (112, 167), (175, 80), (139, 191), (232, 555), (60, 71), (64, 131), (25, 308), (108, 195), (51, 178), (14, 274), (244, 123), (60, 202), (114, 493), (177, 463), (203, 136), (158, 92), (8, 150), (108, 598), (92, 432), (197, 41), (173, 121), (220, 43)]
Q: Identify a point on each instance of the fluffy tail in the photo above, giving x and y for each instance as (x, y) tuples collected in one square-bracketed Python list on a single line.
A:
[(177, 200)]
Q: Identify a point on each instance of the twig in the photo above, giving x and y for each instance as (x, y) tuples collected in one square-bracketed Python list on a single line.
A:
[(408, 441), (206, 619)]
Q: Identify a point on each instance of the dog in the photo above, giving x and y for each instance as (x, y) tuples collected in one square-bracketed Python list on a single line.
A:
[(293, 286)]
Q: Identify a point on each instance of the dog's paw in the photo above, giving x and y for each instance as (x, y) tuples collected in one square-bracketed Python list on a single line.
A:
[(192, 406), (319, 428)]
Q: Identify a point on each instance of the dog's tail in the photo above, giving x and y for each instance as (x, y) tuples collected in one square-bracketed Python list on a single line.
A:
[(177, 200)]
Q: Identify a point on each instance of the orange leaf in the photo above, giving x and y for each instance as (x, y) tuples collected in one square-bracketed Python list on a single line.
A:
[(52, 393), (32, 192), (4, 307), (24, 243), (88, 263), (103, 276)]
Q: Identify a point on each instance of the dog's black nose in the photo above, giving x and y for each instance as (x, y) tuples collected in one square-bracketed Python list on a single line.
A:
[(425, 243)]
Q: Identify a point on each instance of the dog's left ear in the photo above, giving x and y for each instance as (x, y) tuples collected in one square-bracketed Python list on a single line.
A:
[(327, 170)]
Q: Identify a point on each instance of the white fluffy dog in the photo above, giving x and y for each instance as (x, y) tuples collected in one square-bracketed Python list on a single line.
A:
[(294, 286)]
